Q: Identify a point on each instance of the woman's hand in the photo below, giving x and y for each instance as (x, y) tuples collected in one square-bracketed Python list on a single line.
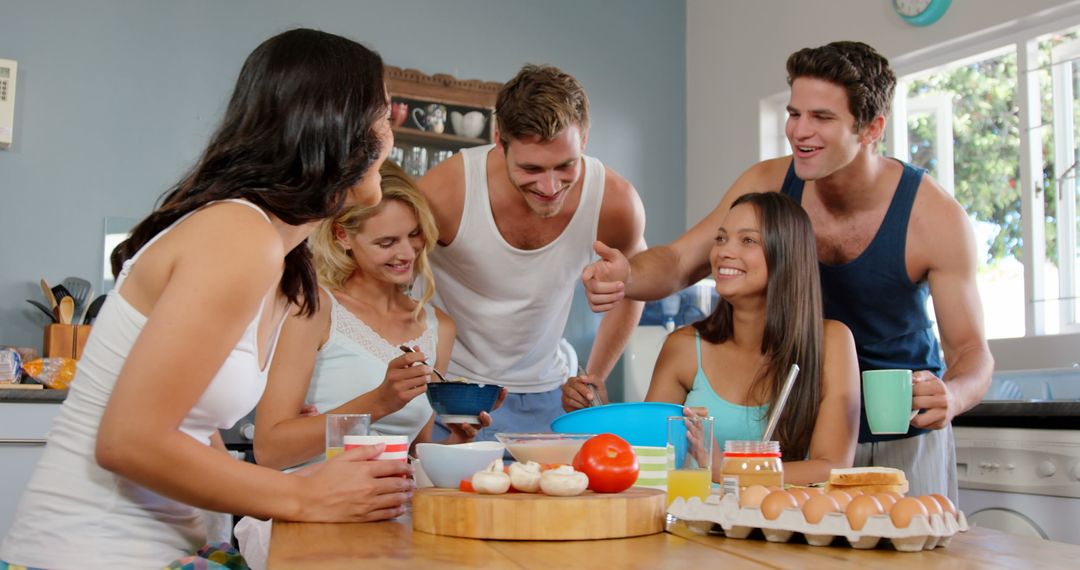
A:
[(577, 392), (464, 433), (695, 436), (353, 488), (403, 381)]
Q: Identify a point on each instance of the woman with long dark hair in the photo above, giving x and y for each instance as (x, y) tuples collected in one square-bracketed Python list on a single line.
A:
[(182, 345), (764, 262)]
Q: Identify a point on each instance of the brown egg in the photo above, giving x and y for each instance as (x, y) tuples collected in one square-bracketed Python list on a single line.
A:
[(931, 504), (854, 492), (800, 494), (904, 510), (861, 508), (896, 496), (776, 502), (818, 506), (886, 500), (752, 496), (946, 504), (842, 498), (814, 491)]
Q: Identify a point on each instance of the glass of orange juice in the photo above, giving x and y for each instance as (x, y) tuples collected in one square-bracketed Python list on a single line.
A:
[(340, 425), (689, 451)]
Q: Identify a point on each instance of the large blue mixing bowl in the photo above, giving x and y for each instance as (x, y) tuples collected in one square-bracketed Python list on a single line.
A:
[(640, 423)]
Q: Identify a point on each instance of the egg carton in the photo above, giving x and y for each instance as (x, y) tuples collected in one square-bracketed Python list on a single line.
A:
[(923, 533)]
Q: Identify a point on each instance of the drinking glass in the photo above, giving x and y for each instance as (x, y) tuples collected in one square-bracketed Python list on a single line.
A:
[(340, 425), (439, 156), (689, 451), (415, 161), (397, 155)]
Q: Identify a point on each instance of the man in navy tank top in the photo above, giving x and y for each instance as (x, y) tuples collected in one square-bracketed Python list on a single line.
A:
[(887, 237), (517, 221)]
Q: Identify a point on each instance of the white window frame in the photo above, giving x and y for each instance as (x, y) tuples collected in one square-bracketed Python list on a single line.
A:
[(1065, 169), (940, 106)]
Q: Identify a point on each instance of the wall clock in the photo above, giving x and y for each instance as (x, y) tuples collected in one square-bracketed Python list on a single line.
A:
[(921, 12)]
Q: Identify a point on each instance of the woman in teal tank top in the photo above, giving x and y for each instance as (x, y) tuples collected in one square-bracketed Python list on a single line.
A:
[(764, 262)]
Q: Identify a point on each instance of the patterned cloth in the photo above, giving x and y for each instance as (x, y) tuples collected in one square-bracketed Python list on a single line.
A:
[(210, 557)]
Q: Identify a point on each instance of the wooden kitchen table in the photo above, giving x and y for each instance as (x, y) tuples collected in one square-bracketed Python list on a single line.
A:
[(393, 544)]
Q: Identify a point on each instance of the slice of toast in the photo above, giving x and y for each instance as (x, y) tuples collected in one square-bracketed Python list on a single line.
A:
[(868, 479)]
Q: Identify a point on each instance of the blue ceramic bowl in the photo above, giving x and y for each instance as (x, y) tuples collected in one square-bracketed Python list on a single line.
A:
[(640, 423), (461, 402)]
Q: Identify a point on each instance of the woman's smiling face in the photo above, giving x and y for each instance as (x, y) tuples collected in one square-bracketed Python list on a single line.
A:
[(738, 255), (387, 247)]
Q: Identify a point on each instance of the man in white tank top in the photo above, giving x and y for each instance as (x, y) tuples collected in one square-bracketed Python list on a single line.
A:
[(517, 224)]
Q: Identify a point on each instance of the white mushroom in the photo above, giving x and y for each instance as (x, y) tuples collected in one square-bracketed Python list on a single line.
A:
[(563, 481), (525, 477), (492, 480)]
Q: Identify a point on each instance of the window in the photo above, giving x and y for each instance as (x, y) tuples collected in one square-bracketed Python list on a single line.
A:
[(995, 119), (961, 126)]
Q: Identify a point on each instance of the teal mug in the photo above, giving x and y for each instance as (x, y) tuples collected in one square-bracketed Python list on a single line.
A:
[(887, 396)]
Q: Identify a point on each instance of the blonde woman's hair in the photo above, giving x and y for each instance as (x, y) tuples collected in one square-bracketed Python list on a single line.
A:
[(334, 264)]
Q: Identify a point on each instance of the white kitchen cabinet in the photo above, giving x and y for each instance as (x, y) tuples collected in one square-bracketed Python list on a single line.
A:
[(23, 427)]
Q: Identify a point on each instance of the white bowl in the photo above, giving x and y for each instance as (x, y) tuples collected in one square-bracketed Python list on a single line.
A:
[(447, 465)]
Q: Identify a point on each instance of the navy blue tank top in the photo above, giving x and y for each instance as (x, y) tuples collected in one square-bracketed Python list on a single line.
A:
[(873, 295)]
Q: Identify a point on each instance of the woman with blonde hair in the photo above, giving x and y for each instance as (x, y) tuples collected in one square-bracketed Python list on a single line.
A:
[(367, 259)]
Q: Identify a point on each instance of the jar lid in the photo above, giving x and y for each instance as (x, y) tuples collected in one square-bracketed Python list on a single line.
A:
[(747, 448)]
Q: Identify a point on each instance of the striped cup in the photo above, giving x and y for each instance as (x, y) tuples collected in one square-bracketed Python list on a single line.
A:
[(653, 464), (397, 446)]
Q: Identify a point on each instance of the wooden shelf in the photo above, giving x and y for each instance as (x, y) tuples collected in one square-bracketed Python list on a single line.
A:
[(441, 88), (457, 95), (439, 139)]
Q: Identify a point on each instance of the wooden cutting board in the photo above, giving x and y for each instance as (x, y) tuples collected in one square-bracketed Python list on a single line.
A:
[(528, 516)]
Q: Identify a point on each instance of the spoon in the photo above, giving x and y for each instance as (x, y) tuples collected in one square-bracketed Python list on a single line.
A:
[(47, 291), (594, 398), (66, 310), (774, 413), (437, 373)]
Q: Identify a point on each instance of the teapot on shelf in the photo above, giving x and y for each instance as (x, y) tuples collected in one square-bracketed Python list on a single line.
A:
[(430, 118), (470, 124)]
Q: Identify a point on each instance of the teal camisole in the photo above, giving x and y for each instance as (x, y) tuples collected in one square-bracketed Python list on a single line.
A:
[(730, 421)]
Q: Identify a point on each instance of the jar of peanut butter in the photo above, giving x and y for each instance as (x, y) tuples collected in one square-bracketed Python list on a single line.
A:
[(749, 463)]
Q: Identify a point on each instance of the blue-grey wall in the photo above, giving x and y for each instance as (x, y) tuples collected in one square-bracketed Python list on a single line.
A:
[(116, 98)]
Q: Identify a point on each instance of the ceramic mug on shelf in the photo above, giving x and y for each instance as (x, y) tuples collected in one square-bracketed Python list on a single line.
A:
[(430, 118), (469, 124), (399, 111)]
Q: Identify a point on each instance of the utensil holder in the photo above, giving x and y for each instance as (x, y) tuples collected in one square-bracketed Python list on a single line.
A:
[(65, 340)]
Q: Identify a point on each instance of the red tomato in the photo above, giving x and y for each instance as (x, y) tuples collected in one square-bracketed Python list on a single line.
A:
[(466, 486), (609, 461)]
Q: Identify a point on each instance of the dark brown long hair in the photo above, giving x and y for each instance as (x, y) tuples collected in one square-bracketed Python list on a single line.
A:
[(298, 133), (793, 319)]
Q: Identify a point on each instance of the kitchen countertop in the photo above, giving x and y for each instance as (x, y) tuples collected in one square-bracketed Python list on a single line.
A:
[(1037, 414), (43, 395), (393, 544)]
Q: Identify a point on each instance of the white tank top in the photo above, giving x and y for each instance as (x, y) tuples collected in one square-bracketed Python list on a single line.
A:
[(73, 513), (354, 360), (511, 305)]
